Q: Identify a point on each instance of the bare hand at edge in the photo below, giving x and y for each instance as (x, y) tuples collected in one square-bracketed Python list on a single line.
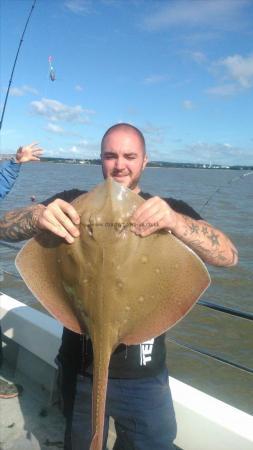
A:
[(28, 153), (61, 219)]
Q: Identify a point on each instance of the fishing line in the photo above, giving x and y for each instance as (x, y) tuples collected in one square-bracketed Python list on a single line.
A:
[(12, 274), (50, 77), (14, 64), (221, 186), (200, 351)]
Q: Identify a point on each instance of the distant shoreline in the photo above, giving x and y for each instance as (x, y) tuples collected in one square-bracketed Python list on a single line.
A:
[(153, 164)]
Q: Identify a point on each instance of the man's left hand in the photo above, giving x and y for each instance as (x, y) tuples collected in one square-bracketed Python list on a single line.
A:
[(153, 215)]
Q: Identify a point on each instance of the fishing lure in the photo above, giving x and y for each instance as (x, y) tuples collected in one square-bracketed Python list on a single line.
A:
[(51, 69)]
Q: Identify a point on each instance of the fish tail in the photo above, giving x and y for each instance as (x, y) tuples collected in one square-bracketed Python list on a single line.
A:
[(95, 442), (100, 381)]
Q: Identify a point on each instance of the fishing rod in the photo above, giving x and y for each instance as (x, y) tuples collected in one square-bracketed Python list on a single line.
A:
[(224, 185), (14, 64)]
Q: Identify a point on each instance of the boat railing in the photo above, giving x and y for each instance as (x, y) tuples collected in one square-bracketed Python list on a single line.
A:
[(225, 310), (206, 304)]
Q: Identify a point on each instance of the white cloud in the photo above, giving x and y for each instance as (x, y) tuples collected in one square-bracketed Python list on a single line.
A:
[(193, 38), (155, 79), (188, 104), (16, 92), (82, 149), (150, 128), (23, 90), (30, 90), (85, 148), (223, 90), (79, 88), (217, 153), (56, 111), (79, 6), (235, 73), (198, 57), (240, 69), (74, 150), (215, 13), (53, 128), (155, 137)]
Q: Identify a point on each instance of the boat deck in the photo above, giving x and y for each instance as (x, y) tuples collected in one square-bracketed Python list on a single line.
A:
[(28, 422), (31, 421)]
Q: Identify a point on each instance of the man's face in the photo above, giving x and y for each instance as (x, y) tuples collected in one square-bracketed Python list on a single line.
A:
[(123, 157)]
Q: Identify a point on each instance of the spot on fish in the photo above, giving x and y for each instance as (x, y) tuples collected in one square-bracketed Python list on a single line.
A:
[(84, 314), (89, 230), (69, 289)]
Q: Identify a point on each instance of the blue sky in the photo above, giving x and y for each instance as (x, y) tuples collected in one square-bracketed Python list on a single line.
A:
[(181, 71)]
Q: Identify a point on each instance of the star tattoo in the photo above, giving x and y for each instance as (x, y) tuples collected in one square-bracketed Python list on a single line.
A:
[(214, 239)]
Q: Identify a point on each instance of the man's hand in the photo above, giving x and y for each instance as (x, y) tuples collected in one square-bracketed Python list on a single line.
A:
[(213, 246), (28, 153), (60, 218), (155, 214)]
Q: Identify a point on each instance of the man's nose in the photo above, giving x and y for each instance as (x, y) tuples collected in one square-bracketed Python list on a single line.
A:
[(119, 163)]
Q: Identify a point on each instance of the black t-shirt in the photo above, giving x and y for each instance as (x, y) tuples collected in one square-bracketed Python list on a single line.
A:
[(133, 361)]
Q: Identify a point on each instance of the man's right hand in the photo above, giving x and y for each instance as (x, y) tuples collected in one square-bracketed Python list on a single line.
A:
[(60, 218)]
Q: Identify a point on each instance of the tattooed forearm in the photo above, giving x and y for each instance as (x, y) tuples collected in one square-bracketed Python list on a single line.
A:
[(208, 254), (20, 224), (210, 244)]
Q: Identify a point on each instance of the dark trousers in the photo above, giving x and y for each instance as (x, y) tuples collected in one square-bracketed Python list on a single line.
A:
[(142, 410)]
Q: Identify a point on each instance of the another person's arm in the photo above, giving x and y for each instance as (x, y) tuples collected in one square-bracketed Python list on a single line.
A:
[(9, 172), (211, 244)]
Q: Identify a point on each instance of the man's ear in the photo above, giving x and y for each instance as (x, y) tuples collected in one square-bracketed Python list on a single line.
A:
[(145, 161)]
